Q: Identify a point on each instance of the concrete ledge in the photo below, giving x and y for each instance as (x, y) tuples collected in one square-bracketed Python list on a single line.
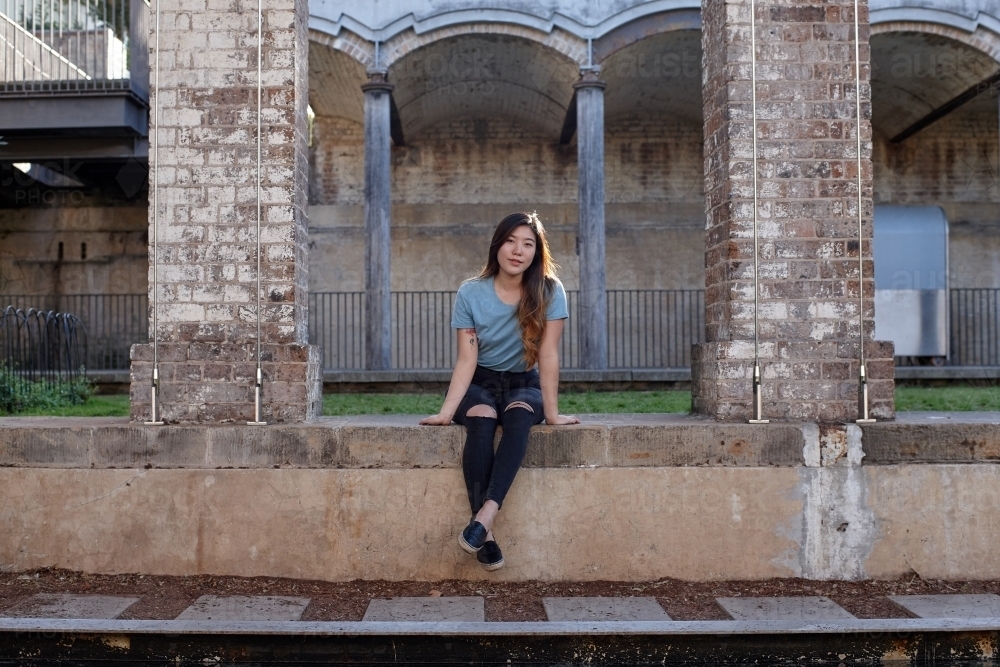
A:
[(397, 441), (391, 442), (620, 497), (933, 437)]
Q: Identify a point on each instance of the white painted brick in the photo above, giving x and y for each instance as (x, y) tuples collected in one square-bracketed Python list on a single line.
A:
[(277, 234), (181, 312), (186, 273), (207, 293), (280, 253), (218, 312), (181, 233), (833, 310), (238, 294), (278, 19)]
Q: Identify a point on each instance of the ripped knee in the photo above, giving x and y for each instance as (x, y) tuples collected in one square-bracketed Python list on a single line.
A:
[(519, 404), (481, 410)]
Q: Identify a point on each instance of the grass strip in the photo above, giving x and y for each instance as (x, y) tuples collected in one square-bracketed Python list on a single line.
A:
[(948, 399), (945, 399)]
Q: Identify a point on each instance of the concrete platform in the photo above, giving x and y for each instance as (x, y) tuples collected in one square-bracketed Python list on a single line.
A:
[(383, 498), (63, 605), (427, 609), (950, 606), (604, 609), (245, 608), (800, 608)]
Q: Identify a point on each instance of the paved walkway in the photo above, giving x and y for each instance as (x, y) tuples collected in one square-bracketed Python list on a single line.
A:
[(980, 610)]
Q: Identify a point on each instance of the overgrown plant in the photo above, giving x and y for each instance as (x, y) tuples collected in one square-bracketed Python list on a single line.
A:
[(19, 395)]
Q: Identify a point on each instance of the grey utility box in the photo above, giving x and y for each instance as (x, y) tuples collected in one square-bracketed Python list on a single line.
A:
[(911, 280)]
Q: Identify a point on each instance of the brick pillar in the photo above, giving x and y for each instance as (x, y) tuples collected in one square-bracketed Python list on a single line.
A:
[(593, 305), (206, 263), (807, 227), (378, 184)]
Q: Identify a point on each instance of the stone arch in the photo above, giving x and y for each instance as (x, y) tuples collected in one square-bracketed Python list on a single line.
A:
[(465, 72), (644, 27), (402, 44), (918, 67), (336, 74), (980, 38), (347, 42)]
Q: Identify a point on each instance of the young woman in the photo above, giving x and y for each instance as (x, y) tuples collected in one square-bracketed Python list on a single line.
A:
[(509, 320)]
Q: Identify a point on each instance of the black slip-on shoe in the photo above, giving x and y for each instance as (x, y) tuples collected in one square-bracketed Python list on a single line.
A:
[(490, 556), (473, 537)]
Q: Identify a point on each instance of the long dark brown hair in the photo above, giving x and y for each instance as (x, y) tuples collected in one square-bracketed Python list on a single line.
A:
[(537, 282)]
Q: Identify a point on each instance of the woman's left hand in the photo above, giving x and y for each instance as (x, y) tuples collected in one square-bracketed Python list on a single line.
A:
[(435, 420), (562, 420)]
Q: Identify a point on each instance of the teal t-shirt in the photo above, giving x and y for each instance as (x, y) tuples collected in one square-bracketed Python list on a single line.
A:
[(478, 307)]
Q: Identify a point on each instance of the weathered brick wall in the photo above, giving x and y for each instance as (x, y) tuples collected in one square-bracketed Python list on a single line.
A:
[(207, 215), (952, 164), (808, 267), (454, 182)]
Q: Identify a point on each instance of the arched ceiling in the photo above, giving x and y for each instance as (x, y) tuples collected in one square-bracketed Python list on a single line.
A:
[(658, 75), (914, 73), (335, 80), (483, 75)]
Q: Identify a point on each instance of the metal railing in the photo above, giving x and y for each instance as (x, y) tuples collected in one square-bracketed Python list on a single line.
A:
[(975, 327), (646, 328), (113, 322), (59, 46), (41, 346)]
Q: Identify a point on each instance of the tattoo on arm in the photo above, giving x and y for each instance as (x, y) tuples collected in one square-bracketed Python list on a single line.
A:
[(471, 332)]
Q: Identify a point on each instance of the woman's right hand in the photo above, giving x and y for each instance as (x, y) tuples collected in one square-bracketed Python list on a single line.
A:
[(435, 420)]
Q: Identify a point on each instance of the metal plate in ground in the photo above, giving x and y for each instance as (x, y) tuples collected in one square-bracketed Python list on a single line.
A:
[(604, 609), (458, 608), (957, 605), (797, 608), (64, 605), (245, 608)]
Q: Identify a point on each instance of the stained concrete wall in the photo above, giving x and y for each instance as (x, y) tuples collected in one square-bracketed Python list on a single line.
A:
[(115, 238), (624, 497), (690, 523)]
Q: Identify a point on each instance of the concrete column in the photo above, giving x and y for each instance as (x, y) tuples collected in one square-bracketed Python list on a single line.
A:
[(809, 319), (378, 307), (206, 259), (593, 306)]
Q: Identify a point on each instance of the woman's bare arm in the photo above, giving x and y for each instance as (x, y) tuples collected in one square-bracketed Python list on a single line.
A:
[(548, 373), (461, 377)]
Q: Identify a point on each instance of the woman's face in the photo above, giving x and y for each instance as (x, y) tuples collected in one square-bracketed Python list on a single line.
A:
[(517, 251)]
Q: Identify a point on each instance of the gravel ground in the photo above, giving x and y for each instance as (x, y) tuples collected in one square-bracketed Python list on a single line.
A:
[(164, 597)]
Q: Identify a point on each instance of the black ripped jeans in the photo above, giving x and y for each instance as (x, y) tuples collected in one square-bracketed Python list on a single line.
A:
[(489, 474)]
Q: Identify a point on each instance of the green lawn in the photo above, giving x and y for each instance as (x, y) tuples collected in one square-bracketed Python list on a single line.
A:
[(570, 403), (957, 399), (115, 405), (907, 399)]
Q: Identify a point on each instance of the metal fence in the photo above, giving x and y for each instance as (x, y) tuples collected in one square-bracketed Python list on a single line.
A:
[(37, 348), (646, 328), (53, 46), (975, 327), (113, 322)]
